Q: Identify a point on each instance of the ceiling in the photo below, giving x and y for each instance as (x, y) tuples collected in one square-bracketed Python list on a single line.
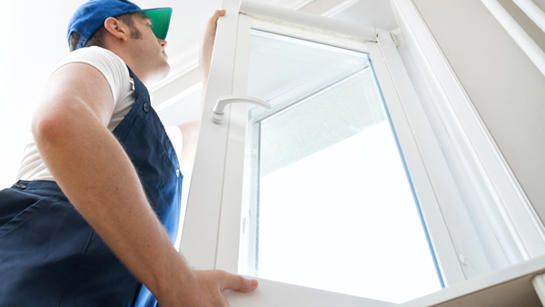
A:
[(39, 35)]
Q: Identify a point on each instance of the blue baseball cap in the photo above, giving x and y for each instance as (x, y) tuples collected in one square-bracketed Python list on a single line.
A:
[(91, 16)]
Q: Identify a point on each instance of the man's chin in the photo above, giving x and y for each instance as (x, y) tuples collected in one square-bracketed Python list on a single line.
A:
[(165, 69), (161, 73)]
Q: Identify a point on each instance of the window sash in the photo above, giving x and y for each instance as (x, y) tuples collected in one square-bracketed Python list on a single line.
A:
[(227, 253), (212, 227)]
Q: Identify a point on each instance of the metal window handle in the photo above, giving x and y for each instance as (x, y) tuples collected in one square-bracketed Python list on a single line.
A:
[(225, 100)]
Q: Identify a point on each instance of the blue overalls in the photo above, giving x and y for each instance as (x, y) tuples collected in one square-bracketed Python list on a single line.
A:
[(50, 256)]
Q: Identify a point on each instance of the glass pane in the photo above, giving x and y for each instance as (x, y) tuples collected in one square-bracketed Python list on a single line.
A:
[(329, 202)]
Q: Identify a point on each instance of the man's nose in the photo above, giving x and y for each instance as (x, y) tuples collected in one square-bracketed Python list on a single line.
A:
[(162, 42)]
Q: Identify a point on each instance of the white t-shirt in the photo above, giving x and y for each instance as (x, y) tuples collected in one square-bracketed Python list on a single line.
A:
[(116, 73)]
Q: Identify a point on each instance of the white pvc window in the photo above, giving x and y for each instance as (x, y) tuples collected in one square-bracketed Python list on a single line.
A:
[(328, 109), (305, 67), (330, 203)]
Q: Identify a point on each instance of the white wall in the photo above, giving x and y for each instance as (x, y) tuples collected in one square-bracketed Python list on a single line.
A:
[(507, 89)]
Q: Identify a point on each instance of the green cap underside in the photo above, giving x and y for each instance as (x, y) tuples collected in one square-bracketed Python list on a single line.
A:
[(160, 20)]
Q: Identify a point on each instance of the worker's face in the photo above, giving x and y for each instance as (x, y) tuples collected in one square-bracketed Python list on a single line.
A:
[(150, 50)]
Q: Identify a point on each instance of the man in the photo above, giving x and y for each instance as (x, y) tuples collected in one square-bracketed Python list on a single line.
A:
[(96, 211)]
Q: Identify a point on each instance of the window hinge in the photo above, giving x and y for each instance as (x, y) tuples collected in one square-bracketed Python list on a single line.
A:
[(395, 37)]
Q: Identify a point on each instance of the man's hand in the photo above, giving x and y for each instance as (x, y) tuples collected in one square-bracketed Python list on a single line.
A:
[(208, 42), (206, 289)]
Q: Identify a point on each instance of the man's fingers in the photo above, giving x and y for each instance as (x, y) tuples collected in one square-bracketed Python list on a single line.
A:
[(213, 23), (217, 15), (238, 283), (214, 19)]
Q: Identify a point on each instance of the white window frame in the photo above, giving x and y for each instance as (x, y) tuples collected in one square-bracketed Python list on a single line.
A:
[(472, 147), (215, 244), (210, 228)]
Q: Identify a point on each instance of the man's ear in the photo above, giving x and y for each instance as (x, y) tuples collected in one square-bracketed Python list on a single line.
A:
[(116, 28)]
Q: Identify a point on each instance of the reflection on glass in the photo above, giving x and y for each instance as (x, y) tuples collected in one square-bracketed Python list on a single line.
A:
[(330, 205)]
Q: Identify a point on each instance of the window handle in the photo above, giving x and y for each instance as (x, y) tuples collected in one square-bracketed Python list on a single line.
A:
[(225, 100)]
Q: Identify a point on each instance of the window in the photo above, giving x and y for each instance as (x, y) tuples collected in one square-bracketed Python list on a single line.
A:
[(255, 158), (330, 205)]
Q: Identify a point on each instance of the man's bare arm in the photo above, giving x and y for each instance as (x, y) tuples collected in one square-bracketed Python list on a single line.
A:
[(208, 44), (190, 130), (98, 178)]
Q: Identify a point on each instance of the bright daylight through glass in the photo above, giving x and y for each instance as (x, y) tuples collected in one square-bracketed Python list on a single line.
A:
[(333, 206)]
